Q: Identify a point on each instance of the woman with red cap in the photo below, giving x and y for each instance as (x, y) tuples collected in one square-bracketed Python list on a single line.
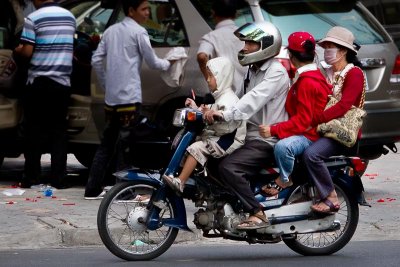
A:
[(306, 98)]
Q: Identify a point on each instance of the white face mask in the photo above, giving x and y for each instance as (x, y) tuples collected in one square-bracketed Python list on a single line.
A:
[(330, 55)]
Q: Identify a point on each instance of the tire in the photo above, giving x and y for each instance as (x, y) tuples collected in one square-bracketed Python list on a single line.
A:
[(1, 160), (120, 230), (326, 243)]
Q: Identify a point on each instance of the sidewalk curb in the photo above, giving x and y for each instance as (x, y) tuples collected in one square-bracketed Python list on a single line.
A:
[(90, 237), (69, 235)]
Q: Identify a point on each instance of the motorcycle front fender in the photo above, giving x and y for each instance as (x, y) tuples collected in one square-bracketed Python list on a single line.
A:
[(135, 174), (179, 220)]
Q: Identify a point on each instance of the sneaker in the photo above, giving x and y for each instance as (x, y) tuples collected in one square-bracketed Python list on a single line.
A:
[(174, 183), (101, 196)]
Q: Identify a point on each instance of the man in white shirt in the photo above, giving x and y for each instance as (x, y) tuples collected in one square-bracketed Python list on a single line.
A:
[(221, 42), (263, 102), (122, 50)]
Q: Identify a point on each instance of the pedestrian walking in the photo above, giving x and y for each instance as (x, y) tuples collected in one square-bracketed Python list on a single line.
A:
[(117, 62)]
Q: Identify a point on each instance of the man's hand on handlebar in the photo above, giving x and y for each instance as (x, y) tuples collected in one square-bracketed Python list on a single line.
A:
[(211, 116)]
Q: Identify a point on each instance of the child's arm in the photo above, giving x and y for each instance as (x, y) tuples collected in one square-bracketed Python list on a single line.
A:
[(204, 108), (190, 103)]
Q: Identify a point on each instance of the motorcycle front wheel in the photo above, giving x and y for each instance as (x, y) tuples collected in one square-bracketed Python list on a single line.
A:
[(121, 223), (328, 242)]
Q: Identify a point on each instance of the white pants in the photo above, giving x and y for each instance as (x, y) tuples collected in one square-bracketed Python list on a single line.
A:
[(201, 150)]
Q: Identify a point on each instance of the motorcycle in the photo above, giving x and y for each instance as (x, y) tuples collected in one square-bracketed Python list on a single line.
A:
[(139, 218)]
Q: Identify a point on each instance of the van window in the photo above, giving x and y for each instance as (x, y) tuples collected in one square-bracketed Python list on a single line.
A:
[(314, 16), (165, 26), (95, 21), (391, 11), (92, 19), (386, 11), (204, 8), (317, 17)]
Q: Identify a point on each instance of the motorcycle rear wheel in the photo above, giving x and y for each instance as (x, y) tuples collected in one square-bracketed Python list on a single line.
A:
[(120, 223), (326, 243)]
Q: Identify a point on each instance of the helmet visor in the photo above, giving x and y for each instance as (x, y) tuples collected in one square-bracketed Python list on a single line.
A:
[(250, 32)]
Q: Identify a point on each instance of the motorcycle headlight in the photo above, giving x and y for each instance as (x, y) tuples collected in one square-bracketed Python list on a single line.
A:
[(179, 117)]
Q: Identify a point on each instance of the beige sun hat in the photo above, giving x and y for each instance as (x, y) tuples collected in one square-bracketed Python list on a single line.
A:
[(340, 36)]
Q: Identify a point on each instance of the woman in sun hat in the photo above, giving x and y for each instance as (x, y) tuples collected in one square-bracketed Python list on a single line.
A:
[(348, 81)]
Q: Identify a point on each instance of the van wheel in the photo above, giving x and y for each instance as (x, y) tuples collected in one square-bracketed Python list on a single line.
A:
[(85, 156)]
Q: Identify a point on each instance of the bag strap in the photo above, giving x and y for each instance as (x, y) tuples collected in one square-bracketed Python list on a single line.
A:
[(362, 100)]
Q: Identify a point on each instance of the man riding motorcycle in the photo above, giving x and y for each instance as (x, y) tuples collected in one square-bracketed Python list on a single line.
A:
[(263, 102)]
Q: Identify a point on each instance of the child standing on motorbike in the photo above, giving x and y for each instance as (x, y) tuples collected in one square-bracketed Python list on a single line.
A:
[(220, 138)]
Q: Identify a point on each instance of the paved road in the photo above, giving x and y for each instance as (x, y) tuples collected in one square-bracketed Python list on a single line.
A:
[(382, 186), (68, 220), (355, 254)]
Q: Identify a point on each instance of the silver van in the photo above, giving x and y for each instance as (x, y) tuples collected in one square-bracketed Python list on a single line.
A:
[(190, 19), (183, 22)]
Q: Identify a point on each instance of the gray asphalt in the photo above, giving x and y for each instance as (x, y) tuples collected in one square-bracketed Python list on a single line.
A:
[(362, 254), (67, 220)]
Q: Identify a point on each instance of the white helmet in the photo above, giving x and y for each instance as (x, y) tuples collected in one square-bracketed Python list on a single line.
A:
[(264, 33)]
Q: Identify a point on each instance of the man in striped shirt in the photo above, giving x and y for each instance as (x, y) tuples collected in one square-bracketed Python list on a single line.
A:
[(47, 40)]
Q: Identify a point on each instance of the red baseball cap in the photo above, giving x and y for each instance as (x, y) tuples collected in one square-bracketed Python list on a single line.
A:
[(296, 41)]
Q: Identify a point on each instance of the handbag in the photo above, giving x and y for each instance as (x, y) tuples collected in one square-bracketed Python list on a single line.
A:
[(344, 129)]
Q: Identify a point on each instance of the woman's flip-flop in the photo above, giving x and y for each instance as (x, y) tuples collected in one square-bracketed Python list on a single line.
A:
[(332, 208)]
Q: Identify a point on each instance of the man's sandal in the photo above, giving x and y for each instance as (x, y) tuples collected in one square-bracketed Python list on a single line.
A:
[(271, 189), (332, 208), (253, 225)]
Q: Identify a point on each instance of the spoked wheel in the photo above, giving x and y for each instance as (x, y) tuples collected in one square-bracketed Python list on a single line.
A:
[(121, 223), (325, 243)]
